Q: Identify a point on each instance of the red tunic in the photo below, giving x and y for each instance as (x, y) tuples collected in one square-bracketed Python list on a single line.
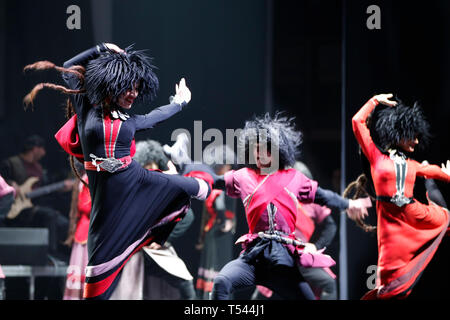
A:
[(408, 236)]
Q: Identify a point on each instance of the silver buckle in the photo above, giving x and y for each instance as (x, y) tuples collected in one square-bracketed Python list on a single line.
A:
[(110, 164), (400, 200)]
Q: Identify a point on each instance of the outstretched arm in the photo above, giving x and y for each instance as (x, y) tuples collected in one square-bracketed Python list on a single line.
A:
[(158, 115), (330, 198), (356, 209), (431, 171)]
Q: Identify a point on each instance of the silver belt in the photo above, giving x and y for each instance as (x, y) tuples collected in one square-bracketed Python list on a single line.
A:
[(280, 238)]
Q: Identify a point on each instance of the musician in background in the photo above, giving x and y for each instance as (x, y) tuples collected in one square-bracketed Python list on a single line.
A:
[(17, 170), (7, 194)]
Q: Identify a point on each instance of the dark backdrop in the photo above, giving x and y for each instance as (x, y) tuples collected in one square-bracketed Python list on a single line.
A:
[(221, 48), (218, 46), (408, 56)]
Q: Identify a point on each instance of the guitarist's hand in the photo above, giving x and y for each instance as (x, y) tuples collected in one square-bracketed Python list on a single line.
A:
[(17, 188), (68, 185)]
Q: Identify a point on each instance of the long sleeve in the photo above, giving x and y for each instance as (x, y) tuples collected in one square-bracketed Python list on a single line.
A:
[(330, 199), (72, 81), (431, 171), (324, 233), (81, 59), (362, 132), (156, 116)]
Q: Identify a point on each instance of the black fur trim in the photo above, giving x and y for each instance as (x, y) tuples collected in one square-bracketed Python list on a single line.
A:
[(112, 74)]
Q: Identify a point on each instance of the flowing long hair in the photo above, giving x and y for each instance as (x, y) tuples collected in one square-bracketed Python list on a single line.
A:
[(28, 100)]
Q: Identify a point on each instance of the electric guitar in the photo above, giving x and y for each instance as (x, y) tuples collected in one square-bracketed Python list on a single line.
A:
[(23, 199)]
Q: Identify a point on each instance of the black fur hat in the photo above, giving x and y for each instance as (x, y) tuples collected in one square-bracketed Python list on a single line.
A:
[(390, 125), (112, 74), (280, 134)]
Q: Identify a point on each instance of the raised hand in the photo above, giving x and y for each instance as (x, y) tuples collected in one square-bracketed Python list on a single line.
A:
[(114, 48), (384, 99), (182, 92), (446, 168)]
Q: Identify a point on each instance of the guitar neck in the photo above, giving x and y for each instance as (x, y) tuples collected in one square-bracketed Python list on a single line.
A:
[(45, 190)]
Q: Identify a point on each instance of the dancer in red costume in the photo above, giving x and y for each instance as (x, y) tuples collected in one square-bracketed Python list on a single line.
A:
[(408, 231)]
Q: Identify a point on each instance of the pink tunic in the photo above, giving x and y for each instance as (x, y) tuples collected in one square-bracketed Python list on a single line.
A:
[(283, 188)]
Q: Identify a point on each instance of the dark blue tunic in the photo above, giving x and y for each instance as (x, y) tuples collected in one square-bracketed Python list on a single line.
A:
[(126, 204)]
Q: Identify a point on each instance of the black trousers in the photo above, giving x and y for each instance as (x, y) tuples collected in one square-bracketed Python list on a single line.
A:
[(238, 274)]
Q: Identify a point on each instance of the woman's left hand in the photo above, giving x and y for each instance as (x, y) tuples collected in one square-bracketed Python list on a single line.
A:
[(182, 92)]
